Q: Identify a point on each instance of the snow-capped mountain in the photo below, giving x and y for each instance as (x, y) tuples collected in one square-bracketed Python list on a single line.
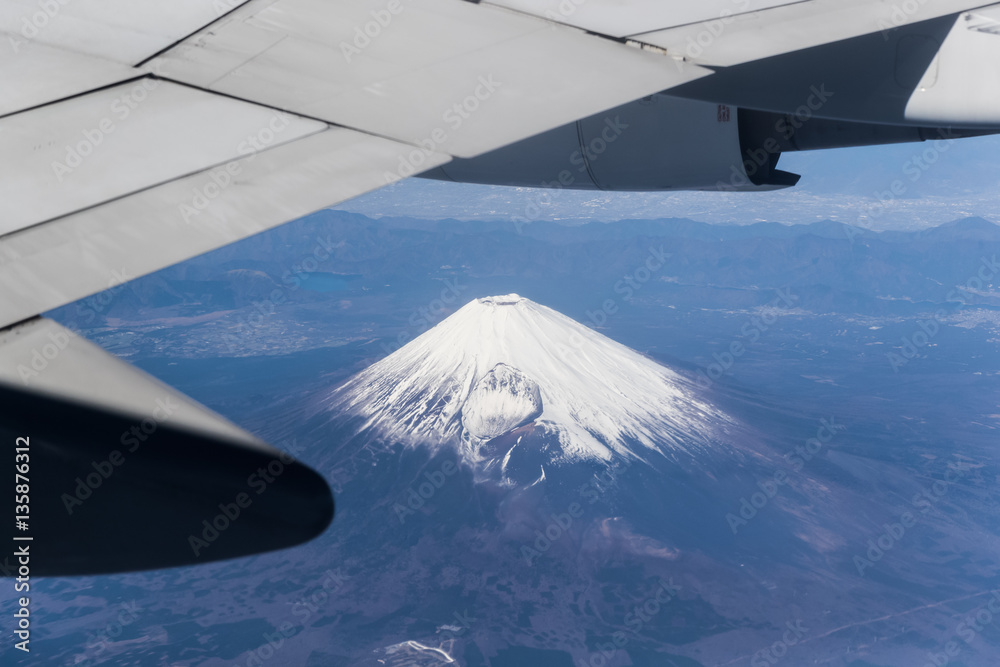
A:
[(500, 363)]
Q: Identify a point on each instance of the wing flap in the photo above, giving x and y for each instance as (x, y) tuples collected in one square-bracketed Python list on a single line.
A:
[(48, 265), (455, 77), (123, 31), (113, 142), (114, 183), (35, 74)]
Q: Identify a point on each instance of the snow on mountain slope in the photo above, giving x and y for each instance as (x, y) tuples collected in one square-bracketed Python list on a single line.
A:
[(493, 364), (502, 400)]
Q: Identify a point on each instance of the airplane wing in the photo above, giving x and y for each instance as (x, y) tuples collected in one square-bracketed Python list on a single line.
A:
[(272, 111), (136, 134)]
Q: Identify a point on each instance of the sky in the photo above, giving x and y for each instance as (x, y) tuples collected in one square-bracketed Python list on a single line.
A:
[(934, 182)]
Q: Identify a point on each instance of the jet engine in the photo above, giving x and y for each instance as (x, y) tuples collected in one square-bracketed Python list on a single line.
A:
[(656, 143), (670, 143)]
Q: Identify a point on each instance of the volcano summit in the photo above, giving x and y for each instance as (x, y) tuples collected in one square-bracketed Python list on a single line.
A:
[(514, 462), (503, 363)]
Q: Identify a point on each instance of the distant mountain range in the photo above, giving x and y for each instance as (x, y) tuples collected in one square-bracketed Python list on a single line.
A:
[(877, 188), (833, 266)]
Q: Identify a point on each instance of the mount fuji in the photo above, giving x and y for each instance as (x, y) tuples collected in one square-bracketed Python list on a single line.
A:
[(516, 465), (506, 366)]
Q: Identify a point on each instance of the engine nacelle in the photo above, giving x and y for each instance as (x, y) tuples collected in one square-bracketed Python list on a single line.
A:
[(657, 143)]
